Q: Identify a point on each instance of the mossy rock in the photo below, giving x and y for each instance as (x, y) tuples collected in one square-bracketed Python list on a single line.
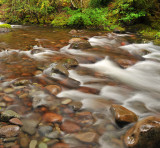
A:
[(5, 28)]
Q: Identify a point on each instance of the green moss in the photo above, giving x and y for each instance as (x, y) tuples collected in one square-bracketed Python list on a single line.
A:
[(5, 26)]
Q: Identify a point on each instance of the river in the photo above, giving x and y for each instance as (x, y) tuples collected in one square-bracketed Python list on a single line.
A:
[(118, 69)]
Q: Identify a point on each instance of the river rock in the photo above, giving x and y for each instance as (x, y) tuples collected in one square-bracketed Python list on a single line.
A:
[(54, 89), (88, 137), (122, 115), (70, 126), (76, 105), (5, 30), (24, 141), (44, 129), (41, 98), (30, 123), (52, 117), (9, 131), (21, 82), (16, 121), (33, 144), (8, 114), (42, 145), (144, 134), (60, 145), (69, 63), (59, 68), (78, 43), (66, 101), (8, 90), (73, 31)]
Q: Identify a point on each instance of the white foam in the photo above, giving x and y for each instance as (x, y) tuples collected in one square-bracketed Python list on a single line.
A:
[(135, 48), (137, 78), (101, 41)]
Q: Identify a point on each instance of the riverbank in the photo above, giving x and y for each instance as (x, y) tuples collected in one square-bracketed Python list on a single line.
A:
[(117, 16)]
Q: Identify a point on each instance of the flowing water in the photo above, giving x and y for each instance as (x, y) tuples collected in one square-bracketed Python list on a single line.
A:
[(118, 69)]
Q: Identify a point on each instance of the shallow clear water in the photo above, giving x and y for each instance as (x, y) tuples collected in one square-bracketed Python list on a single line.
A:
[(107, 73)]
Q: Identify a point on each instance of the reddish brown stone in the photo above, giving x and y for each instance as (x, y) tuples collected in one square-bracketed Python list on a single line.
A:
[(122, 115), (70, 127), (52, 117), (8, 99), (53, 89), (16, 121), (61, 145), (9, 131)]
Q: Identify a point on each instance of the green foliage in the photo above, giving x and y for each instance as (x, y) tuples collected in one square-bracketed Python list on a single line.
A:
[(98, 3), (5, 26), (95, 18), (60, 20), (157, 36)]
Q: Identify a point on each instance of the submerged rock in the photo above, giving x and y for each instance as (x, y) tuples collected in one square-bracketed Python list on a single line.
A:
[(122, 115), (70, 126), (53, 89), (8, 114), (78, 43), (59, 68), (144, 134), (88, 137), (52, 117), (5, 30), (9, 131)]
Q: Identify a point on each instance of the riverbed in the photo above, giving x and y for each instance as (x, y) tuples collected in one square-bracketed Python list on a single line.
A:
[(70, 106)]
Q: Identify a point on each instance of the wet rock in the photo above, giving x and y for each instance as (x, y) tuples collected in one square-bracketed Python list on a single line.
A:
[(12, 139), (78, 43), (5, 30), (43, 130), (8, 98), (8, 90), (35, 51), (15, 146), (73, 31), (16, 121), (52, 135), (42, 145), (38, 72), (66, 101), (52, 142), (76, 105), (71, 83), (48, 132), (9, 131), (84, 118), (144, 133), (122, 115), (88, 137), (24, 141), (2, 104), (30, 123), (21, 82), (69, 62), (60, 145), (33, 144), (54, 89), (52, 117), (70, 126), (41, 98), (59, 68), (8, 114)]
